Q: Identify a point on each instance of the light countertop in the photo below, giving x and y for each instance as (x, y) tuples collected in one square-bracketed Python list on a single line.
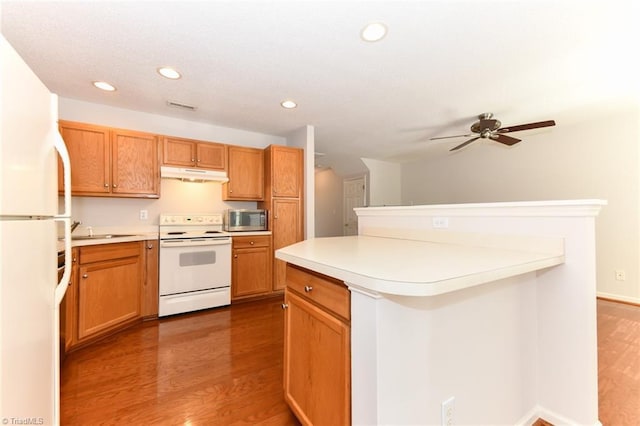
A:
[(412, 268)]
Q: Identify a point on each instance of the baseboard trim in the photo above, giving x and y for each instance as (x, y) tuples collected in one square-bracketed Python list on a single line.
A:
[(539, 416), (616, 298)]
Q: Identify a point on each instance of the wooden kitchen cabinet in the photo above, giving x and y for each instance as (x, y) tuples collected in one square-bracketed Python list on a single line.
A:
[(150, 290), (284, 199), (283, 171), (286, 228), (109, 284), (317, 352), (191, 153), (246, 174), (110, 162), (251, 267)]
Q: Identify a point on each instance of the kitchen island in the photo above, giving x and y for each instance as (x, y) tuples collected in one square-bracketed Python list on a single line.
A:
[(492, 305)]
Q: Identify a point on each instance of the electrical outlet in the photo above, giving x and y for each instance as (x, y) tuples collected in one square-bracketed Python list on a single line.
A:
[(440, 222), (620, 275), (144, 214), (448, 409)]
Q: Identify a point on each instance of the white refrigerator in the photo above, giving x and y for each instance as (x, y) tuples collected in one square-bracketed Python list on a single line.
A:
[(30, 293)]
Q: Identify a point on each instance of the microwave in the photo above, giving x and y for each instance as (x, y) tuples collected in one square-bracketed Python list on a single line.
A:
[(245, 220)]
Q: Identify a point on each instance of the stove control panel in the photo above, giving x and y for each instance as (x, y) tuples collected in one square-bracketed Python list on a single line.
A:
[(187, 219)]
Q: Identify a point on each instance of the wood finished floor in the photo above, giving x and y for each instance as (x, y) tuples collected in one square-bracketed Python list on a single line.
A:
[(224, 367), (216, 367)]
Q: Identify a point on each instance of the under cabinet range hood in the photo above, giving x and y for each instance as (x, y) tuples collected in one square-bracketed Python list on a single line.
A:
[(193, 175)]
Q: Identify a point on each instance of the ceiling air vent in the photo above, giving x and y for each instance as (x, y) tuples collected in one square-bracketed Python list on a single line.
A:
[(179, 105)]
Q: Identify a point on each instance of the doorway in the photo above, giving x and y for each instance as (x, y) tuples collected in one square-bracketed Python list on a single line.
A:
[(354, 190)]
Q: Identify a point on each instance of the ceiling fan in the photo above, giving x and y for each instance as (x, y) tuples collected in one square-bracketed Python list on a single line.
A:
[(489, 128)]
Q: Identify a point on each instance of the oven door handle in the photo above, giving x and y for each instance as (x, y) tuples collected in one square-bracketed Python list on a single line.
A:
[(194, 242)]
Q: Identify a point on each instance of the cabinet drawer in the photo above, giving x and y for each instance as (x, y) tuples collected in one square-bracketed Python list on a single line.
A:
[(100, 252), (327, 292), (251, 241)]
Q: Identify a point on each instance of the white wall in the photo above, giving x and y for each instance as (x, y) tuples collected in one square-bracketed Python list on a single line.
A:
[(175, 196), (591, 154), (385, 182), (328, 204)]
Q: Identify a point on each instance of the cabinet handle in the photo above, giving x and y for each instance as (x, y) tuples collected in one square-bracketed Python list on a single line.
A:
[(150, 246), (74, 260), (231, 190), (284, 306), (307, 288), (235, 256), (85, 276), (251, 243), (115, 186), (193, 160), (106, 185)]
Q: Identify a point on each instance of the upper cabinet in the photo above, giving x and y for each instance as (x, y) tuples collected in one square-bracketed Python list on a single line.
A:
[(284, 171), (246, 174), (111, 162), (190, 153)]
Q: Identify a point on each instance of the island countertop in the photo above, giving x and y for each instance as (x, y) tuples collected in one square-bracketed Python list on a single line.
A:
[(413, 268)]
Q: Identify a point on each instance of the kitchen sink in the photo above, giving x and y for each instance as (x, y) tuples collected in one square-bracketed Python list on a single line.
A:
[(100, 236)]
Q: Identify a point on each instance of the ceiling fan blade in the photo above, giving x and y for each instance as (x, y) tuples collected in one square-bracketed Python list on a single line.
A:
[(462, 145), (539, 124), (507, 140), (449, 137)]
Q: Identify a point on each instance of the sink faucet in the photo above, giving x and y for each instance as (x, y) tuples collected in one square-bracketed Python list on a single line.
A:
[(74, 225)]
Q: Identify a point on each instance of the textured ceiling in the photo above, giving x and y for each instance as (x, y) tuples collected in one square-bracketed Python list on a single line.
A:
[(441, 64)]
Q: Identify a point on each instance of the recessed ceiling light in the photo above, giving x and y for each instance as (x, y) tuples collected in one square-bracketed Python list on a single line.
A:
[(374, 31), (288, 104), (103, 85), (169, 72)]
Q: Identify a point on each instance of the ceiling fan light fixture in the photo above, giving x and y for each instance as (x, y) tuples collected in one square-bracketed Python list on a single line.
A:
[(170, 73), (103, 85), (373, 31), (288, 104)]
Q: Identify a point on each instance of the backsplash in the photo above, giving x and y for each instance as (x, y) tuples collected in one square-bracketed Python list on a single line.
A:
[(175, 197)]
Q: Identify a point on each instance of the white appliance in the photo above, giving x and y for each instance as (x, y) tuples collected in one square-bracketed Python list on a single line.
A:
[(195, 263), (29, 288)]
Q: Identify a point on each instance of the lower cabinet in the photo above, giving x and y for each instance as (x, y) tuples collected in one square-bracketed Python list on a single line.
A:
[(107, 289), (317, 351), (251, 266), (150, 290)]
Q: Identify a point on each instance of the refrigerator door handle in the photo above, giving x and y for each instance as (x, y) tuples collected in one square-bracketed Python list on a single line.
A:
[(61, 288), (65, 216), (61, 147)]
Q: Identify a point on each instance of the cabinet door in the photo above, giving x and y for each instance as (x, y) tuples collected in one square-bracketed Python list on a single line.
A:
[(246, 170), (135, 168), (108, 294), (316, 364), (286, 227), (150, 287), (178, 152), (286, 171), (88, 148), (251, 272), (211, 156)]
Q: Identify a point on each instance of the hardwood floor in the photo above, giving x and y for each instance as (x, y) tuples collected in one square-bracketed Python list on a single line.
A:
[(618, 363), (216, 367), (224, 367)]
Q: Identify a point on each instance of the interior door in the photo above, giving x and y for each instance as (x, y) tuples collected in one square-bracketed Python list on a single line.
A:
[(354, 196)]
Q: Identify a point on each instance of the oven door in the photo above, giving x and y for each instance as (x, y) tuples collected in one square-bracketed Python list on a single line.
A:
[(193, 265)]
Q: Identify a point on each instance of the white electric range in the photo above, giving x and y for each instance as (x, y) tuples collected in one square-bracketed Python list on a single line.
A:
[(195, 263)]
